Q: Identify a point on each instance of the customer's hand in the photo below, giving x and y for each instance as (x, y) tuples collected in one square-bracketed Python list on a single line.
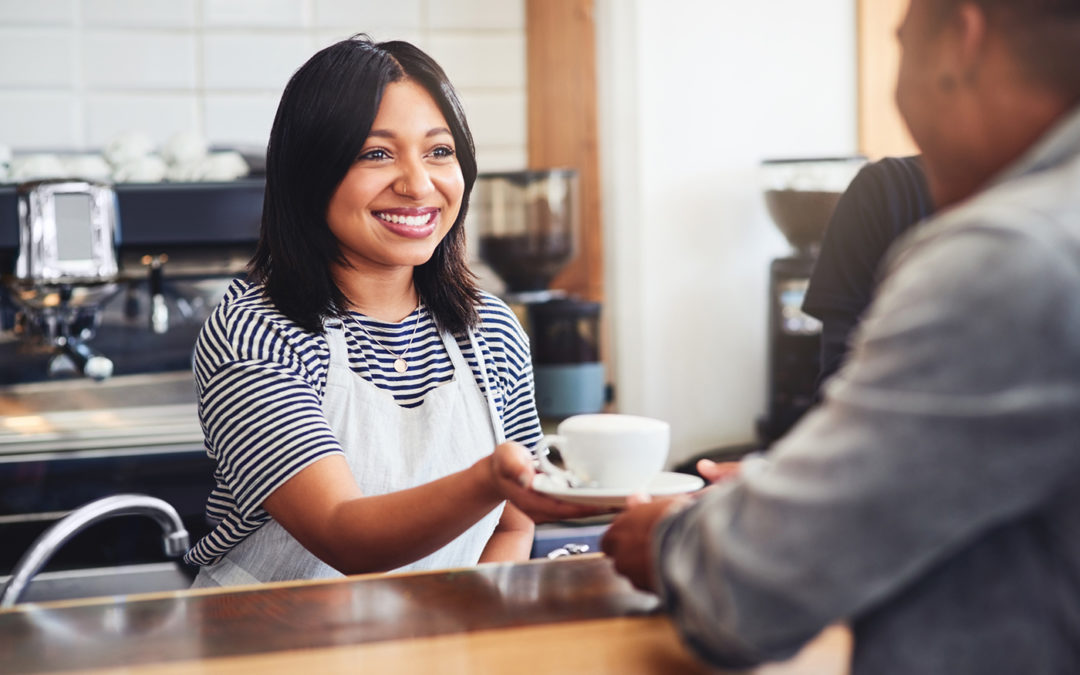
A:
[(512, 475), (628, 542), (715, 472)]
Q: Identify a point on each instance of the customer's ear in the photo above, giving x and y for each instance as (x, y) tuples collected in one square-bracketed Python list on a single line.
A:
[(968, 28)]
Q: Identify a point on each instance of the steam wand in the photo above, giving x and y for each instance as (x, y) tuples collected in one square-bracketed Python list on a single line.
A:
[(83, 357), (159, 309), (72, 350)]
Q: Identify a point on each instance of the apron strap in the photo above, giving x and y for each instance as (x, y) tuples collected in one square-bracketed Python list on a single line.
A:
[(335, 342), (339, 356), (458, 359)]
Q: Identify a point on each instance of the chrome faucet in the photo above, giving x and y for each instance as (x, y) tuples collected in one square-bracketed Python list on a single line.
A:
[(43, 548)]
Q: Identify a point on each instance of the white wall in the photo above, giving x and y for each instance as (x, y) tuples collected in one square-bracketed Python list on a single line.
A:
[(693, 94), (76, 73)]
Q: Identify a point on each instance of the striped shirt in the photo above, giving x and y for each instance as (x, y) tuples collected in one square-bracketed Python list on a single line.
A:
[(260, 381)]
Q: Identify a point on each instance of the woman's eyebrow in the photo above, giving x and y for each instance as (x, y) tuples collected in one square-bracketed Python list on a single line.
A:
[(386, 133)]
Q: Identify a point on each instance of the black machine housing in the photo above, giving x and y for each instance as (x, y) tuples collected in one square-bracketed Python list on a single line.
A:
[(185, 242)]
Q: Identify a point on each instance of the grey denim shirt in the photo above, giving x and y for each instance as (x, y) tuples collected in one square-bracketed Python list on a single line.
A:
[(932, 501)]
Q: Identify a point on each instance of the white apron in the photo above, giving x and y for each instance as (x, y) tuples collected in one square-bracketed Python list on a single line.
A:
[(388, 448)]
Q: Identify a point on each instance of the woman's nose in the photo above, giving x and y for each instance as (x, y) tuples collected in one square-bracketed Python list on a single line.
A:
[(414, 181)]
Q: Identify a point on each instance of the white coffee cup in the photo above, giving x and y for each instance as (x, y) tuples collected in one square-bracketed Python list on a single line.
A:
[(612, 451)]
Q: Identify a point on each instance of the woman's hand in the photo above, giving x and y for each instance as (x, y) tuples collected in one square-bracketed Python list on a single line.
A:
[(512, 474)]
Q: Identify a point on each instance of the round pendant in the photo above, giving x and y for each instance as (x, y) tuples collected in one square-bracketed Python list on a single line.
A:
[(400, 365)]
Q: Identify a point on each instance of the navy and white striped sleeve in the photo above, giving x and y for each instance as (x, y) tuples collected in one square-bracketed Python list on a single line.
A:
[(259, 401)]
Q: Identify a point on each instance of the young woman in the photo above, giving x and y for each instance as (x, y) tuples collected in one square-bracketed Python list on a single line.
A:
[(353, 389)]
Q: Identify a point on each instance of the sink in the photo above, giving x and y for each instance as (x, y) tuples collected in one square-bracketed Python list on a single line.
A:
[(105, 581)]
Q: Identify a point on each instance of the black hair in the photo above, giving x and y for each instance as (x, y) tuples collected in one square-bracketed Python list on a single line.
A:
[(1044, 36), (322, 122)]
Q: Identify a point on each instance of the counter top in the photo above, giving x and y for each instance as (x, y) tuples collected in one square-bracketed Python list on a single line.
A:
[(567, 615), (127, 412)]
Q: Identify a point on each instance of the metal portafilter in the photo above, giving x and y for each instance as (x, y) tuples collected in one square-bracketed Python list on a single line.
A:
[(66, 269)]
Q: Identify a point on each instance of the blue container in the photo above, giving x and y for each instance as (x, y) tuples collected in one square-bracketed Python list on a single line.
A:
[(569, 389)]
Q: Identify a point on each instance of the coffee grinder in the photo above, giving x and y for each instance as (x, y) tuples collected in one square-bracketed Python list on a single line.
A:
[(527, 225), (800, 195)]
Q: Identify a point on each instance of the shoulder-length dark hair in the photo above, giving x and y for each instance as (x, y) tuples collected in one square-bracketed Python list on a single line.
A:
[(322, 122)]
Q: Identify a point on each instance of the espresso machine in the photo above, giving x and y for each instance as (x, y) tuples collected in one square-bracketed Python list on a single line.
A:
[(800, 195), (104, 290), (527, 223)]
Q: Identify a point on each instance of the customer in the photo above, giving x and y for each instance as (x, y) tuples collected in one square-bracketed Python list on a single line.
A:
[(933, 499), (353, 391), (884, 200)]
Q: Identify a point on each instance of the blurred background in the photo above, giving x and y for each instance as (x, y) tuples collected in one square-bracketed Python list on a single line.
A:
[(664, 108)]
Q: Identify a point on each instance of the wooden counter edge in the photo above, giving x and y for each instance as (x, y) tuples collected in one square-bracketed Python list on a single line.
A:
[(195, 592), (626, 645)]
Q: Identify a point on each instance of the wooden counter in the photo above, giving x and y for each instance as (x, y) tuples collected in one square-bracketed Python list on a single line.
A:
[(572, 615)]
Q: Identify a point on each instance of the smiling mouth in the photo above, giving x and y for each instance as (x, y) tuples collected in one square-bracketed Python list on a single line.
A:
[(411, 223)]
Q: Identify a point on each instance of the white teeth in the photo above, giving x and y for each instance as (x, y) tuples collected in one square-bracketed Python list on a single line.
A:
[(412, 221)]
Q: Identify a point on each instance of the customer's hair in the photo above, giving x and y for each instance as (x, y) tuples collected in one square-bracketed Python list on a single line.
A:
[(1043, 34), (322, 122)]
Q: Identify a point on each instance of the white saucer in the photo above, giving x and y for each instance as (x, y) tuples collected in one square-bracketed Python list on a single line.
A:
[(665, 484)]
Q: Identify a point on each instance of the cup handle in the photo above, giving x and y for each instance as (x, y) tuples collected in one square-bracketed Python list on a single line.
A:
[(550, 440), (546, 466), (546, 443), (541, 450)]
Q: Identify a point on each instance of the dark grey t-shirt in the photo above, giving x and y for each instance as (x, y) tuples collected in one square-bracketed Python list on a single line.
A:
[(884, 201), (933, 500)]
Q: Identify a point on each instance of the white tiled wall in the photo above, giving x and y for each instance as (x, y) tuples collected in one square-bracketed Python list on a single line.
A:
[(76, 73)]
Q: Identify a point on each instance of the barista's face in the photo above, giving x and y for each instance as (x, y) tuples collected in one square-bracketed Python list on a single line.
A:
[(404, 192)]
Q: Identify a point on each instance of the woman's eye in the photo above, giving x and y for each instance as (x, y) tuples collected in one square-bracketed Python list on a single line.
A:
[(443, 151), (377, 153)]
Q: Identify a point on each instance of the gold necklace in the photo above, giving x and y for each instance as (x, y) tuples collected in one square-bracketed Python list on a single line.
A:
[(400, 364)]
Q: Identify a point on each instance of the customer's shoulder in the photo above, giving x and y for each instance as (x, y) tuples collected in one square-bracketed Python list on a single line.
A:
[(1014, 242), (1036, 210), (1042, 199)]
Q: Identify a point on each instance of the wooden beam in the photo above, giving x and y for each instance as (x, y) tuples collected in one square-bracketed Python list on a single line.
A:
[(562, 127), (881, 129)]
